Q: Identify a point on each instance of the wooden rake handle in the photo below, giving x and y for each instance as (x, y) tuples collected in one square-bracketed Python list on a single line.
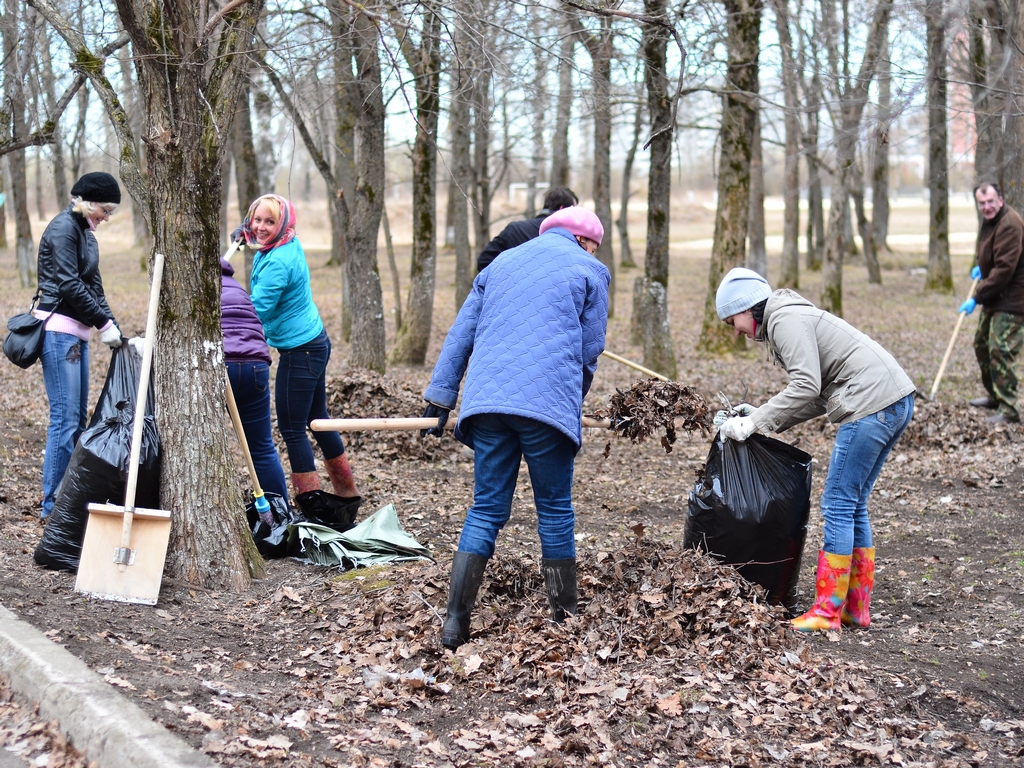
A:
[(636, 366), (949, 347), (407, 425)]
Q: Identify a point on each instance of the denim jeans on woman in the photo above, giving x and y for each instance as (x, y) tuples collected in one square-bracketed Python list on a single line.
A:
[(250, 384), (65, 362), (500, 441), (861, 448), (301, 396)]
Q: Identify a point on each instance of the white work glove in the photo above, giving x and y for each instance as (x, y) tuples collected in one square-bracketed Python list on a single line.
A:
[(112, 336), (738, 428), (743, 409)]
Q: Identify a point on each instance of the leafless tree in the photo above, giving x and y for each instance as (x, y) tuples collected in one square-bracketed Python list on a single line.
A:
[(940, 274)]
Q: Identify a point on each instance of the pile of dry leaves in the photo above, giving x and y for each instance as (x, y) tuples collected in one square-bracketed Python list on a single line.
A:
[(365, 394), (732, 686), (23, 733), (651, 405)]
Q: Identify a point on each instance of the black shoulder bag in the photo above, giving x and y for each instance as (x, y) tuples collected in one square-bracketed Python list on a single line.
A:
[(25, 333)]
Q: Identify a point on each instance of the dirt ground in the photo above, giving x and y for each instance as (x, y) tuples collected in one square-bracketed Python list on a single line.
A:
[(673, 659)]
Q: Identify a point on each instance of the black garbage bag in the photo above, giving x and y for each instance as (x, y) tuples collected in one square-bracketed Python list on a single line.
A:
[(98, 470), (750, 510), (271, 540), (322, 508)]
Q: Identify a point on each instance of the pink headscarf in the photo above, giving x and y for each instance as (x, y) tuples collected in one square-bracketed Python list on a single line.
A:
[(285, 226)]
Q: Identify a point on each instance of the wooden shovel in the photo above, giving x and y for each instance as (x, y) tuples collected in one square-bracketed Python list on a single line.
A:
[(949, 347), (635, 366), (399, 425), (138, 537)]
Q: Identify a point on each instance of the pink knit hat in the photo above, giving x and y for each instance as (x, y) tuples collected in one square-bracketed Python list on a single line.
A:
[(579, 221)]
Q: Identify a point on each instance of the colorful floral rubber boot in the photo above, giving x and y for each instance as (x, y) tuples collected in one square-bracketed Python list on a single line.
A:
[(829, 593), (857, 611), (340, 473)]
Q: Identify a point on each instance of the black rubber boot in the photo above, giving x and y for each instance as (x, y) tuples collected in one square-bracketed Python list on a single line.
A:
[(560, 584), (467, 573)]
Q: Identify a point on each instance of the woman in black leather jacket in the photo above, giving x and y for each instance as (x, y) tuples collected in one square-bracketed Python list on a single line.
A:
[(72, 302)]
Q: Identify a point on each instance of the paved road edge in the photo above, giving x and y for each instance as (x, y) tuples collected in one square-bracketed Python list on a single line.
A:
[(112, 731)]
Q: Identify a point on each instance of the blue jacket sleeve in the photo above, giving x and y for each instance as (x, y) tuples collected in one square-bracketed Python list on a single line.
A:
[(594, 321), (443, 389)]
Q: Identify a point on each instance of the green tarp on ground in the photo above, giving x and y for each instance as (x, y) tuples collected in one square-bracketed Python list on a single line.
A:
[(379, 539)]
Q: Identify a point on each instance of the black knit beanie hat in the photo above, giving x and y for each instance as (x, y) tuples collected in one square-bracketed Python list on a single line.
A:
[(97, 187)]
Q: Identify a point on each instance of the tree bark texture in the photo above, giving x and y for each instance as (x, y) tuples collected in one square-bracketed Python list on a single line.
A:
[(757, 253), (480, 94), (652, 314), (880, 160), (460, 123), (15, 75), (567, 26), (411, 342), (789, 272), (1013, 158), (989, 66), (600, 48), (60, 177), (864, 226), (540, 109), (622, 222), (940, 272), (735, 139), (851, 101)]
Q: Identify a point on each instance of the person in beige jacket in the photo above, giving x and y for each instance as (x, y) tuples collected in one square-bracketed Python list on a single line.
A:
[(835, 371)]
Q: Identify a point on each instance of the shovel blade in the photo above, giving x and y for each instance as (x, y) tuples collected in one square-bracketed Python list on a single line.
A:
[(99, 574)]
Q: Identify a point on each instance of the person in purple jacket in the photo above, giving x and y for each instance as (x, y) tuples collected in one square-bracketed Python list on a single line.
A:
[(247, 357), (530, 333)]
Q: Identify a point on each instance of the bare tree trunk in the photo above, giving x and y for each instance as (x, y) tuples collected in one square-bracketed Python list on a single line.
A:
[(650, 313), (264, 138), (60, 179), (940, 272), (134, 109), (462, 172), (626, 252), (483, 71), (3, 211), (600, 49), (396, 279), (346, 108), (989, 72), (567, 26), (363, 223), (852, 99), (864, 226), (16, 47), (880, 164), (735, 139), (789, 276), (540, 108), (815, 195), (413, 337), (757, 253)]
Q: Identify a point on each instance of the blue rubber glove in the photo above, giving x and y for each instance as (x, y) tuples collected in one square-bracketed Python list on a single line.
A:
[(967, 307), (435, 412), (975, 272)]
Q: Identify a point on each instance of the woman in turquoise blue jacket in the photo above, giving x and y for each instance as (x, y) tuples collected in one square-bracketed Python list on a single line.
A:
[(284, 303)]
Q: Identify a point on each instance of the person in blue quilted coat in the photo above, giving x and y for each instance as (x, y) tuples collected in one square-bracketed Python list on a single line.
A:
[(530, 334)]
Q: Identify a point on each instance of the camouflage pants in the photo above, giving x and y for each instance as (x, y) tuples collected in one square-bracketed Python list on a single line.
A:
[(997, 344)]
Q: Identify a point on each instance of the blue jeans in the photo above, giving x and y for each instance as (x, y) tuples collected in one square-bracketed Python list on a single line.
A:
[(499, 442), (300, 397), (861, 448), (250, 384), (65, 361)]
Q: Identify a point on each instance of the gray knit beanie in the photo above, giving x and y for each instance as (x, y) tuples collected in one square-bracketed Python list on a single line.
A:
[(739, 290)]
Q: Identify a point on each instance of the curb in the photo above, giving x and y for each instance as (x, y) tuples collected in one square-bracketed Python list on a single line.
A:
[(111, 731)]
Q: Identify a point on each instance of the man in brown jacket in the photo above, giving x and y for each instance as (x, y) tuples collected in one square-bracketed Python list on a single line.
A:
[(1000, 334)]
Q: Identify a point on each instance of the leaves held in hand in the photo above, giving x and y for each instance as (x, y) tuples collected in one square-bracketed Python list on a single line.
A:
[(652, 405)]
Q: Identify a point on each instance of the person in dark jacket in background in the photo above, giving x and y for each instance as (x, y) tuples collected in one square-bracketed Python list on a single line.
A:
[(519, 232), (1000, 335), (72, 302), (530, 334), (247, 357)]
